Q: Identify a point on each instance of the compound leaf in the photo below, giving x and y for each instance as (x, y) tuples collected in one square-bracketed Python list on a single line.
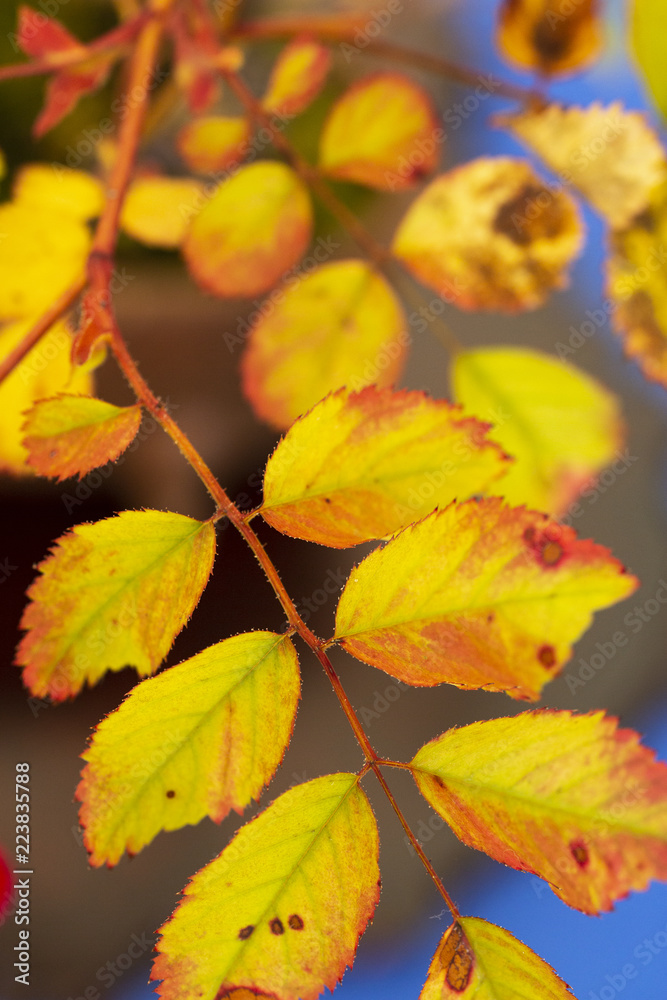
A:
[(490, 235), (382, 132), (561, 425), (110, 595), (255, 226), (363, 465), (159, 210), (297, 77), (214, 143), (200, 739), (478, 959), (45, 370), (67, 434), (281, 910), (480, 595), (638, 289), (340, 325), (611, 155), (545, 36), (571, 798)]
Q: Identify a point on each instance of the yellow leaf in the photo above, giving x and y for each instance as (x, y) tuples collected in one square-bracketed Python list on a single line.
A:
[(569, 798), (382, 132), (562, 426), (362, 465), (159, 210), (44, 371), (281, 910), (647, 25), (256, 226), (476, 959), (611, 155), (110, 595), (479, 595), (57, 188), (341, 324), (66, 435), (200, 739), (638, 287), (42, 253), (214, 143), (297, 77), (549, 36), (490, 235)]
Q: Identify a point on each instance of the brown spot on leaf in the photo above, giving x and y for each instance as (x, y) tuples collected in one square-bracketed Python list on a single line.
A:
[(529, 535), (457, 959), (551, 553), (579, 852), (295, 922), (171, 793), (547, 656), (245, 932), (276, 926)]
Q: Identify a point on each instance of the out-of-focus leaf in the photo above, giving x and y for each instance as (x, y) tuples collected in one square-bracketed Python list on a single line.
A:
[(382, 132), (297, 77), (52, 188), (637, 285), (214, 143), (549, 36), (490, 235), (159, 210), (340, 324), (611, 155), (647, 33), (562, 426), (256, 226)]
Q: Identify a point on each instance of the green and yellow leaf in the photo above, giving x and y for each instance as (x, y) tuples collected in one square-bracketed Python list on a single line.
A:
[(255, 227), (637, 285), (69, 435), (570, 798), (214, 143), (383, 132), (42, 254), (562, 426), (549, 37), (159, 210), (478, 959), (56, 188), (297, 77), (363, 465), (45, 370), (480, 595), (647, 26), (110, 595), (490, 235), (200, 739), (281, 910), (341, 324), (611, 155)]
